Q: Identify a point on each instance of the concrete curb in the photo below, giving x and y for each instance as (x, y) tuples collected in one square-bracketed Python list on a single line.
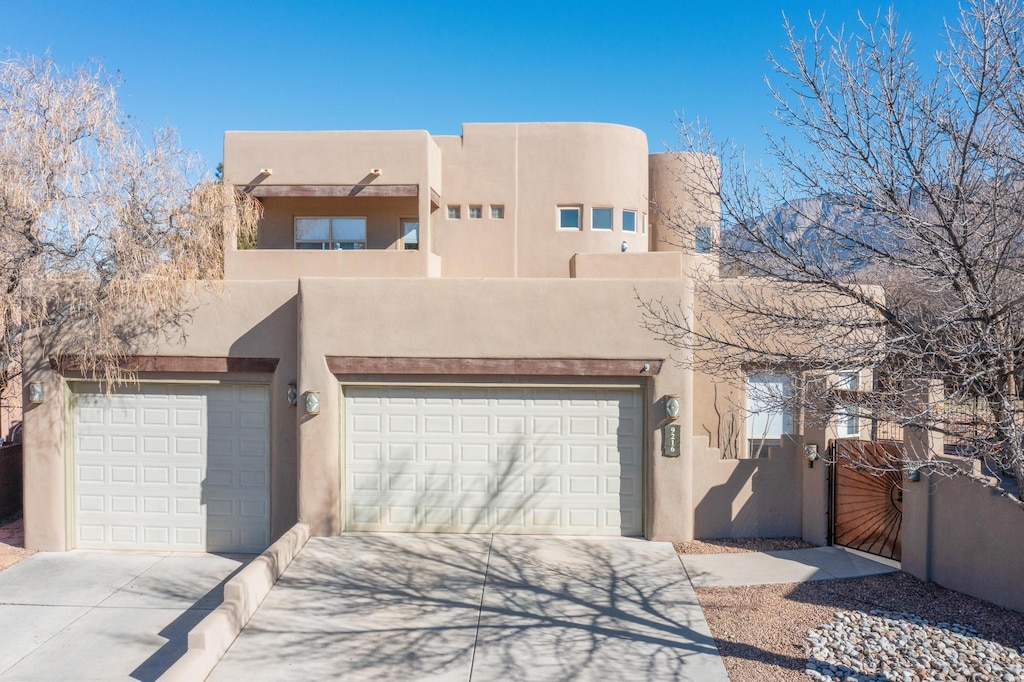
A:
[(210, 639)]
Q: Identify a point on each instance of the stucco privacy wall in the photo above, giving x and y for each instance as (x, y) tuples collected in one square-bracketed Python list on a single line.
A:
[(243, 319), (497, 318), (966, 536), (744, 498)]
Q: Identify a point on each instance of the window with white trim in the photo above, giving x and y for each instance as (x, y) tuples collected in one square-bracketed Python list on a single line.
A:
[(768, 412), (410, 234), (325, 233), (497, 212), (476, 212), (569, 217), (847, 422), (628, 220), (454, 212), (600, 218)]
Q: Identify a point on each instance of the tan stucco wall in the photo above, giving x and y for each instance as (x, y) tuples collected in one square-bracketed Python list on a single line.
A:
[(328, 157), (747, 497), (626, 266), (492, 318), (241, 320), (966, 536)]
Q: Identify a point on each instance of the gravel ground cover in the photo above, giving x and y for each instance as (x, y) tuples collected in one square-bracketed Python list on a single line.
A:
[(737, 545), (763, 631)]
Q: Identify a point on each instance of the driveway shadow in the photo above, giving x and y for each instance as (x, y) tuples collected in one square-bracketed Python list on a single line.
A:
[(473, 607)]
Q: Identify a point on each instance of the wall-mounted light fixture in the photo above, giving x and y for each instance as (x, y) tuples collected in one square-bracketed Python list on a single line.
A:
[(293, 394), (811, 453), (311, 399), (376, 171), (35, 392), (672, 406), (266, 171), (914, 475)]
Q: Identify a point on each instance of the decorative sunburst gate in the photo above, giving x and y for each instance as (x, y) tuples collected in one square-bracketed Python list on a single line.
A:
[(867, 496)]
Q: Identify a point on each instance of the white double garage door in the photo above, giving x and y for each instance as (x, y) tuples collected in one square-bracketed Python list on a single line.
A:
[(501, 459), (186, 467)]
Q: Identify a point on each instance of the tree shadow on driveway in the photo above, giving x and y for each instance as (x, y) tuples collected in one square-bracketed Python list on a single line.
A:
[(477, 607)]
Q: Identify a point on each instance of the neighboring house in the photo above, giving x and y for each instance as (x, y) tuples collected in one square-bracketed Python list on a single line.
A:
[(433, 333)]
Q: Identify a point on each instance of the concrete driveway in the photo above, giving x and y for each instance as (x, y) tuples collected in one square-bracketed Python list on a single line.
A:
[(417, 607), (104, 615)]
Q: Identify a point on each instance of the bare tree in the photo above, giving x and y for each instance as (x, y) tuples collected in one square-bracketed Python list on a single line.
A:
[(887, 233), (106, 228)]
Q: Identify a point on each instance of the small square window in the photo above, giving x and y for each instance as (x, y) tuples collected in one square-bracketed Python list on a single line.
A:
[(600, 218), (702, 239), (629, 221), (454, 212), (476, 212), (497, 212), (569, 217)]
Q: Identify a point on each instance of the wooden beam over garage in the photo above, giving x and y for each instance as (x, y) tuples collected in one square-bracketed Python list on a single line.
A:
[(335, 191), (175, 363), (550, 367)]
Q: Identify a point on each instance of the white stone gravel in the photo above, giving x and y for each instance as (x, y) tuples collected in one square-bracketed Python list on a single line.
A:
[(902, 647)]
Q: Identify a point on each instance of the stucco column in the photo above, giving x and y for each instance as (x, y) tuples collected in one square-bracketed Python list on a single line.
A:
[(45, 453), (319, 476), (919, 445), (670, 479), (815, 480)]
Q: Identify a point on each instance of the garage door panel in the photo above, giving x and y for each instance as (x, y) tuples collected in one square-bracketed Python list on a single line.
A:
[(172, 467), (492, 460)]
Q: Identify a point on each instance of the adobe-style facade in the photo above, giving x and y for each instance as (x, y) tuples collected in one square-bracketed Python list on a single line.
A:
[(431, 333)]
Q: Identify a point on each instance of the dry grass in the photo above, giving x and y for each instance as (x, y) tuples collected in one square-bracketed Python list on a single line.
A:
[(760, 629)]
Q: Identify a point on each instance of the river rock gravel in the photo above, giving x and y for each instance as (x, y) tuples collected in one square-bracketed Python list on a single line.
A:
[(762, 630), (902, 647)]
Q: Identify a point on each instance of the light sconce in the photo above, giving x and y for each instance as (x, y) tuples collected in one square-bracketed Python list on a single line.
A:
[(914, 475), (266, 172), (376, 171), (311, 399), (293, 395), (811, 453), (672, 407), (35, 392)]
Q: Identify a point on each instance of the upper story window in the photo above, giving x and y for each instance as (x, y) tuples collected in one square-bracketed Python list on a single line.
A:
[(768, 412), (600, 218), (454, 212), (702, 239), (497, 212), (326, 233), (410, 234), (628, 221), (569, 217), (476, 212)]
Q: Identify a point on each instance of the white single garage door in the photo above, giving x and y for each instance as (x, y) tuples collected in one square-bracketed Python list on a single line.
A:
[(504, 460), (172, 467)]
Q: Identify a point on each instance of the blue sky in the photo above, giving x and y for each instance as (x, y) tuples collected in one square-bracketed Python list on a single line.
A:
[(206, 67)]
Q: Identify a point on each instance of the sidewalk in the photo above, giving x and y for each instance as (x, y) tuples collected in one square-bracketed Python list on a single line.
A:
[(791, 566)]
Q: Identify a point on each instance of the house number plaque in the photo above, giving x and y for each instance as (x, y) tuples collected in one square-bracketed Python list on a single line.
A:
[(670, 440)]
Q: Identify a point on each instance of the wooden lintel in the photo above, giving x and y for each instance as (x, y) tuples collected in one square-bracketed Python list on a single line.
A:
[(176, 363), (551, 367), (335, 191)]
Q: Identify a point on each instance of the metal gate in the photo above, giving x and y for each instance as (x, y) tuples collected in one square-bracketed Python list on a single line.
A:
[(867, 496)]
